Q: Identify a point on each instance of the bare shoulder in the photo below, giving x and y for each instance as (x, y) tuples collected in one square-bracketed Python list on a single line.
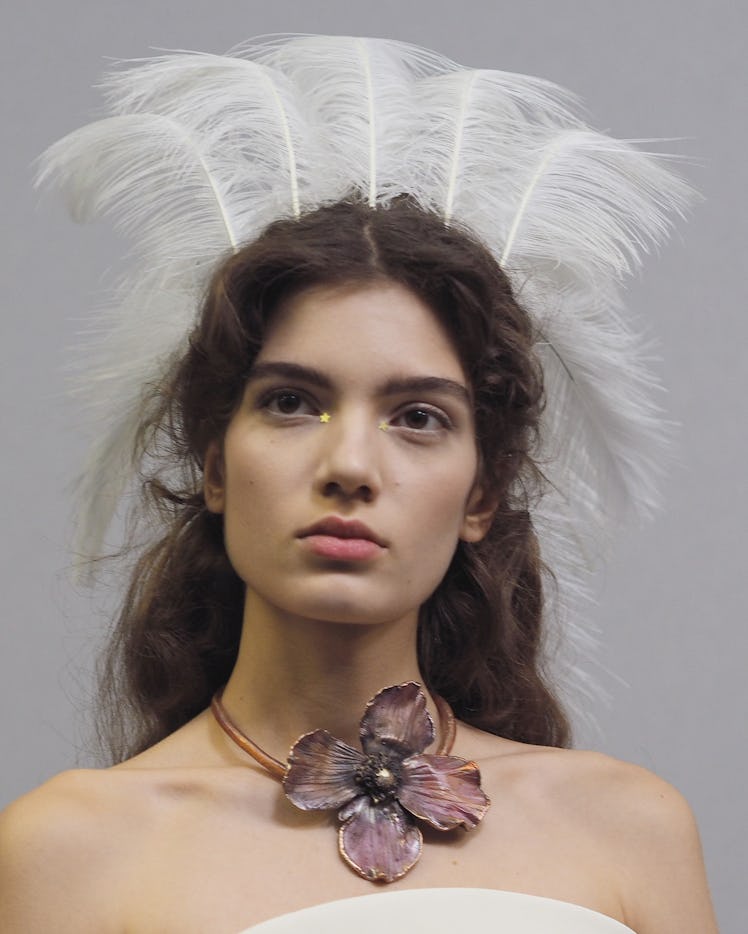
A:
[(52, 842), (650, 830), (639, 824), (594, 792), (63, 808), (653, 830), (590, 786), (624, 804)]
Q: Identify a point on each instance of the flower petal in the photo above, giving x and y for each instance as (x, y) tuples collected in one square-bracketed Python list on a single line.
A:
[(397, 719), (443, 790), (379, 841), (321, 772)]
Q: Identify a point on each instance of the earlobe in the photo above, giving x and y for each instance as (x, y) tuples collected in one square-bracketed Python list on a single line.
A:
[(213, 478), (479, 514)]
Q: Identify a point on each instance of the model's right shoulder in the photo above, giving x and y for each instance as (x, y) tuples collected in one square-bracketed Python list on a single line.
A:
[(57, 846), (64, 809)]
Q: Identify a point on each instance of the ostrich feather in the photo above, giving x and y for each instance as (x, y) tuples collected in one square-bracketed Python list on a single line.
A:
[(359, 94), (187, 177), (201, 152), (466, 129), (592, 203), (100, 165), (568, 212), (249, 110)]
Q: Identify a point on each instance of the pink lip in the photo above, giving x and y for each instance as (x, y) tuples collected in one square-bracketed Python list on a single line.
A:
[(341, 528), (341, 539)]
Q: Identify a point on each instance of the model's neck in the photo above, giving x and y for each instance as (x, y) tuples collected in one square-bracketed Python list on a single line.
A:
[(295, 675)]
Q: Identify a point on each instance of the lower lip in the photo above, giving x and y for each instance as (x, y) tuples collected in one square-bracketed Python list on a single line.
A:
[(342, 549)]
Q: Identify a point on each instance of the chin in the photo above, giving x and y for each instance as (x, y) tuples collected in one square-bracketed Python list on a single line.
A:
[(349, 612), (336, 603)]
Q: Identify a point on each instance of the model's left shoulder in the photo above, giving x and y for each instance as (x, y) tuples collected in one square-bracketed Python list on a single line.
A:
[(650, 830), (611, 800), (640, 826), (637, 808), (598, 784), (619, 791)]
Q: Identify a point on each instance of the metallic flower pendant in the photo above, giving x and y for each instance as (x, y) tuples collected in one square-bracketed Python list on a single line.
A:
[(381, 791)]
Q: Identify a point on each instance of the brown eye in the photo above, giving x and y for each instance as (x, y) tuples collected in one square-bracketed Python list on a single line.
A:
[(417, 418), (423, 418), (288, 402)]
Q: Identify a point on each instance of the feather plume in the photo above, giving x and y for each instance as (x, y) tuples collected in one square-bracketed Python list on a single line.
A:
[(358, 93), (467, 130), (201, 152), (100, 165)]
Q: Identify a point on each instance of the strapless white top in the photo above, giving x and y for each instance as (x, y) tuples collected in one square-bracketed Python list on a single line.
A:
[(443, 911)]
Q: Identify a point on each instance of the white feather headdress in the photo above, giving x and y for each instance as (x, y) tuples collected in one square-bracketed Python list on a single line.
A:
[(202, 152)]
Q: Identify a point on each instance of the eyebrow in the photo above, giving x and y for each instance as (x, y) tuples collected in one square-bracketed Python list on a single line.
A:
[(392, 387)]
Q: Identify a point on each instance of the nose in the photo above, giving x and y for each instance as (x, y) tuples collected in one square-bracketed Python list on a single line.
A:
[(349, 463)]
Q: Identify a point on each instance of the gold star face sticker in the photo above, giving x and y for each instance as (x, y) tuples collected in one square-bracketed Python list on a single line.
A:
[(383, 426), (324, 418)]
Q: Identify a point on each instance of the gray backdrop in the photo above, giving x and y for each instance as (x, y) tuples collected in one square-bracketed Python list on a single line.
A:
[(671, 606)]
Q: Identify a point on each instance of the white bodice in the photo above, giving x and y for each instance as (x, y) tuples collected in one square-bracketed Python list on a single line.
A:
[(443, 911)]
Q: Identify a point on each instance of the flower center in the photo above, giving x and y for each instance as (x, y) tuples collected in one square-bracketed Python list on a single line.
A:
[(379, 776)]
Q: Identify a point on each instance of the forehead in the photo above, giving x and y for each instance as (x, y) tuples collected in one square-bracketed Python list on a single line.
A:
[(358, 328)]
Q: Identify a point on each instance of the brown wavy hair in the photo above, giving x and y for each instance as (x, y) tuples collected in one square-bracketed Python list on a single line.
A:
[(480, 634)]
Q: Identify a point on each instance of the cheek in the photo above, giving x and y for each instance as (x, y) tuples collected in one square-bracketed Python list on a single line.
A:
[(250, 494), (252, 469), (436, 511), (445, 492)]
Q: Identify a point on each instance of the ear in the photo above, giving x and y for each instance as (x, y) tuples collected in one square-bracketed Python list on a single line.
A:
[(214, 484), (479, 512)]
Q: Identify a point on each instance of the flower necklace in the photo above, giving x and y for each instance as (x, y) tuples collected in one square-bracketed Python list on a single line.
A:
[(380, 792)]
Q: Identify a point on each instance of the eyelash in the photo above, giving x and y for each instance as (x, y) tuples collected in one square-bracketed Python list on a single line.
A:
[(268, 399)]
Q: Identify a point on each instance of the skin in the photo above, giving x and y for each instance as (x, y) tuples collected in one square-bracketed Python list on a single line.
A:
[(192, 836), (307, 616)]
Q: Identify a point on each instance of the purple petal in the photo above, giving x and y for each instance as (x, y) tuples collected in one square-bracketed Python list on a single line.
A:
[(379, 841), (397, 719), (321, 772), (443, 790)]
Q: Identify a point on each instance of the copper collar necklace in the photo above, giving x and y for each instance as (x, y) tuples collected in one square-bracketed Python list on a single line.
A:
[(379, 792)]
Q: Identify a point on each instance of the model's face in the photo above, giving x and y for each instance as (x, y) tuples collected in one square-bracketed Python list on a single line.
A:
[(357, 411)]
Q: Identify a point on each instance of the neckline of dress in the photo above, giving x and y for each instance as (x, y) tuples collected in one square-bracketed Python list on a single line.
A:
[(465, 891)]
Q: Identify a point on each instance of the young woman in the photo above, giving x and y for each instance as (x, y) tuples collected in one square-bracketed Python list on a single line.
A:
[(344, 460)]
